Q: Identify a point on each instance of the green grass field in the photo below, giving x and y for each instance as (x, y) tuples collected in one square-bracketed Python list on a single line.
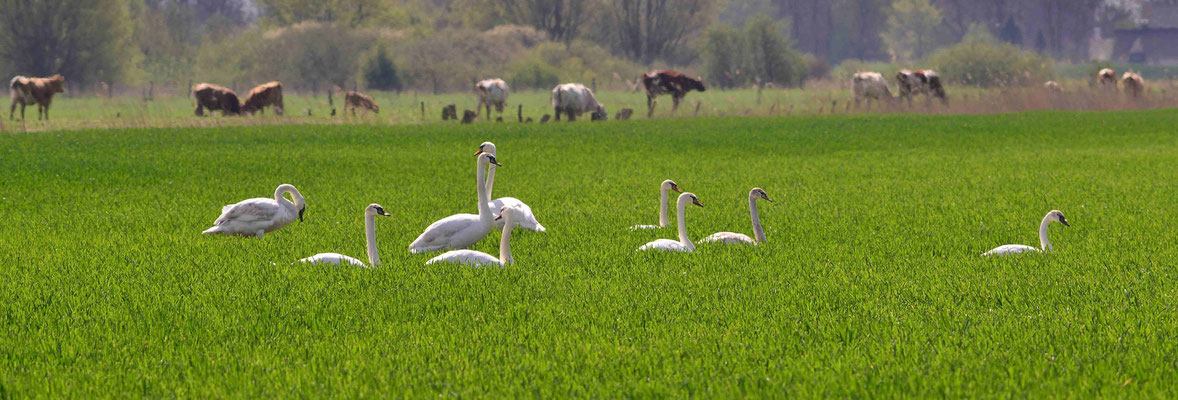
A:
[(871, 284)]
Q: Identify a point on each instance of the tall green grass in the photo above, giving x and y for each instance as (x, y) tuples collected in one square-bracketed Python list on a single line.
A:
[(871, 284)]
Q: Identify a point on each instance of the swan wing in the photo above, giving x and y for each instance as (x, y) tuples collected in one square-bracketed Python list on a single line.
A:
[(529, 222), (729, 238), (334, 259), (465, 257), (248, 211), (1010, 249), (664, 245), (445, 233), (640, 227)]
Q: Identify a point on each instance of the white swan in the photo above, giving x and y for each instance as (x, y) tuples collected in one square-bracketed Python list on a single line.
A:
[(738, 238), (511, 216), (255, 217), (684, 243), (460, 230), (663, 219), (529, 220), (370, 214), (1053, 216)]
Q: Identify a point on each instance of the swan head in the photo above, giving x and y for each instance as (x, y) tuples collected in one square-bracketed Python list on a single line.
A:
[(302, 210), (671, 185), (375, 209), (487, 158), (690, 197), (1057, 216), (760, 193), (486, 147), (513, 213)]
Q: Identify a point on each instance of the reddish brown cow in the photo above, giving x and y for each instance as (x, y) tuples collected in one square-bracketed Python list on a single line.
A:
[(266, 94), (923, 81), (215, 98), (667, 81), (354, 100), (25, 91)]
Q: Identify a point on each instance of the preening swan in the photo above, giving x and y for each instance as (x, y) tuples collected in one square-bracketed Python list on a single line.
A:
[(255, 217), (1053, 216), (684, 243), (460, 230), (663, 219), (529, 220), (511, 216), (738, 238), (370, 214)]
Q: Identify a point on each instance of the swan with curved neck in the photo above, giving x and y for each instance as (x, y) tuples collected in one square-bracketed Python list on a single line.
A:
[(738, 238), (461, 230), (1044, 244), (684, 243), (258, 216), (511, 216), (370, 214), (529, 220), (664, 219)]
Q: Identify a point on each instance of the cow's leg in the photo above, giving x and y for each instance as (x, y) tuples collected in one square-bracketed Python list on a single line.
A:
[(572, 115), (675, 104), (649, 105), (46, 112), (556, 110), (22, 112), (12, 111)]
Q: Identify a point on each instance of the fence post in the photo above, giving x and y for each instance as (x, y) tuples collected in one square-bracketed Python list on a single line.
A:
[(423, 111), (190, 88), (594, 85)]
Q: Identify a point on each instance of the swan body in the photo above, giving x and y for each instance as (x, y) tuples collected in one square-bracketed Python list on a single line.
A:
[(460, 230), (255, 217), (529, 221), (370, 214), (739, 238), (1044, 244), (684, 243), (664, 219), (511, 215)]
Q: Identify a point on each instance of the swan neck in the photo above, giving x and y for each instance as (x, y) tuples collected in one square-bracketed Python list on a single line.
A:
[(1043, 242), (663, 219), (680, 209), (370, 235), (279, 196), (758, 232), (505, 242), (481, 181), (490, 179)]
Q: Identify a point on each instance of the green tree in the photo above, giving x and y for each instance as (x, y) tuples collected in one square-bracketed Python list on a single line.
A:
[(352, 13), (722, 56), (912, 29), (380, 73), (770, 54), (85, 40), (561, 19), (646, 30)]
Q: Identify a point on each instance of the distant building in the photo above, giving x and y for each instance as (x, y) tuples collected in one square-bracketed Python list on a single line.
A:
[(1155, 42)]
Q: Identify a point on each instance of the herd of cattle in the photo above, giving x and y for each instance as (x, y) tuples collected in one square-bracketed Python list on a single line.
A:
[(570, 99)]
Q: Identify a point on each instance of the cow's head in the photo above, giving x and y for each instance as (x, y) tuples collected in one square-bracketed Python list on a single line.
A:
[(375, 108), (599, 114), (57, 83), (698, 84)]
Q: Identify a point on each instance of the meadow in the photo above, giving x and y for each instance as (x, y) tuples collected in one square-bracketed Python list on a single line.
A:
[(871, 283)]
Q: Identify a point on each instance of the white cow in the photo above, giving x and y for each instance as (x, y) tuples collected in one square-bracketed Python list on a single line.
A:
[(491, 92), (870, 86), (574, 99)]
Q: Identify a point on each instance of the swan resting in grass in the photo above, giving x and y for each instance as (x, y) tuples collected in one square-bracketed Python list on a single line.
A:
[(664, 220), (529, 220), (1044, 245), (370, 214), (258, 216), (511, 216), (739, 238), (684, 243), (460, 230)]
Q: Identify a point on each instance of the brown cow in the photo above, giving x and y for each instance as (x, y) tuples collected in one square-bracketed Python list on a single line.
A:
[(667, 81), (1133, 83), (923, 81), (266, 94), (215, 98), (354, 100), (1106, 79), (27, 91)]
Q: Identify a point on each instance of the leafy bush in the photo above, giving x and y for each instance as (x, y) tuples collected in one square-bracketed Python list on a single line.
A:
[(981, 61), (532, 73), (721, 54), (770, 53), (380, 73)]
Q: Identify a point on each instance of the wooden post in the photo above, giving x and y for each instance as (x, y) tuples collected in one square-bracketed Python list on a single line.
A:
[(697, 104), (423, 110), (190, 88), (521, 112), (594, 85), (330, 101)]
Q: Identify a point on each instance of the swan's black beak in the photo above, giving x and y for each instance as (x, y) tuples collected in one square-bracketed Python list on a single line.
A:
[(499, 217), (696, 202), (301, 211), (1064, 221), (767, 199), (494, 161)]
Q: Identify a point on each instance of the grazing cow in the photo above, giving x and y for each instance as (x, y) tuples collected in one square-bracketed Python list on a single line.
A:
[(491, 92), (870, 86), (923, 81), (667, 81), (354, 100), (449, 112), (1134, 84), (215, 98), (26, 91), (574, 99), (1106, 79), (1052, 87), (266, 94)]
